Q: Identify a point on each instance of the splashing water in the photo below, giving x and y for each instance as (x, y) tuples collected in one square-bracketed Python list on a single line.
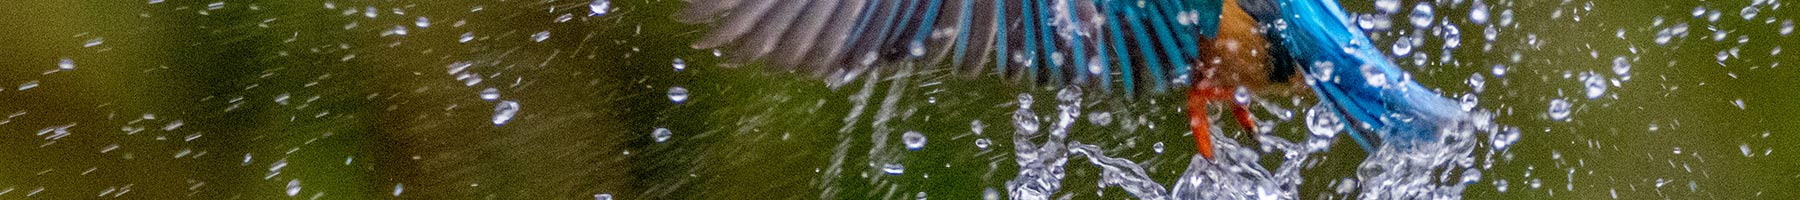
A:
[(1441, 169)]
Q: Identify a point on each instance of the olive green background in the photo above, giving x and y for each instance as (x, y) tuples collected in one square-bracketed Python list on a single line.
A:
[(366, 113)]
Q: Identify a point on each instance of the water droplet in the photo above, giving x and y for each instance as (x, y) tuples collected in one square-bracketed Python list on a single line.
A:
[(399, 188), (1096, 66), (1505, 138), (1421, 16), (990, 194), (1324, 124), (679, 64), (1745, 147), (422, 22), (1506, 17), (540, 36), (504, 111), (599, 8), (28, 85), (1469, 101), (914, 140), (1241, 96), (1501, 185), (466, 37), (1477, 82), (1374, 76), (1402, 48), (293, 187), (1499, 71), (66, 64), (1478, 12), (678, 94), (661, 134), (1787, 27), (564, 18), (603, 196), (893, 169), (1452, 37), (1739, 103), (916, 48), (1559, 110), (1749, 12), (490, 94), (94, 42), (982, 143), (1158, 147), (1387, 6), (1595, 84)]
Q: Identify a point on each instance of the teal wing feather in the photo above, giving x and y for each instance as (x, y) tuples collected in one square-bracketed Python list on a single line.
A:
[(1121, 45)]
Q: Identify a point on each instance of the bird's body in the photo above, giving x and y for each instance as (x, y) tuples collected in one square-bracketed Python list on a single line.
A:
[(1215, 47)]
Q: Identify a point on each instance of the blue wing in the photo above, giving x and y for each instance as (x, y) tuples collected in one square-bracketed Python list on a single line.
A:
[(1344, 69), (1140, 45)]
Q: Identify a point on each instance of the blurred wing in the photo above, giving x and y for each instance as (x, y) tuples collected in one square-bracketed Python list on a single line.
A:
[(1358, 80), (1140, 45)]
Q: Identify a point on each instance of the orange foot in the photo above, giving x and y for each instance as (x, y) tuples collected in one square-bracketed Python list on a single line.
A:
[(1198, 96)]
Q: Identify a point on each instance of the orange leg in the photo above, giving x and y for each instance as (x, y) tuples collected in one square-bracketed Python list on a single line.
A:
[(1205, 92)]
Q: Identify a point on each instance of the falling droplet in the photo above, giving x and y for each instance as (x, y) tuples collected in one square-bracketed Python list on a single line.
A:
[(1469, 101), (466, 37), (1595, 85), (1158, 147), (293, 187), (596, 9), (893, 169), (399, 188), (422, 22), (66, 64), (540, 36), (1477, 82), (1421, 16), (1387, 6), (504, 112), (916, 48), (982, 143), (1744, 148), (914, 140), (28, 85), (1749, 12), (1559, 110), (490, 94), (679, 64), (1787, 27), (1402, 48), (1478, 12), (678, 95), (661, 134)]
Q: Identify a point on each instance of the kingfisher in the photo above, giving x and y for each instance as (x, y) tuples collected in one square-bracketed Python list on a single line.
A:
[(1215, 49)]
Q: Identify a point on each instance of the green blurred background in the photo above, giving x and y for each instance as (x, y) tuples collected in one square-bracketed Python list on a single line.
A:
[(327, 100)]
